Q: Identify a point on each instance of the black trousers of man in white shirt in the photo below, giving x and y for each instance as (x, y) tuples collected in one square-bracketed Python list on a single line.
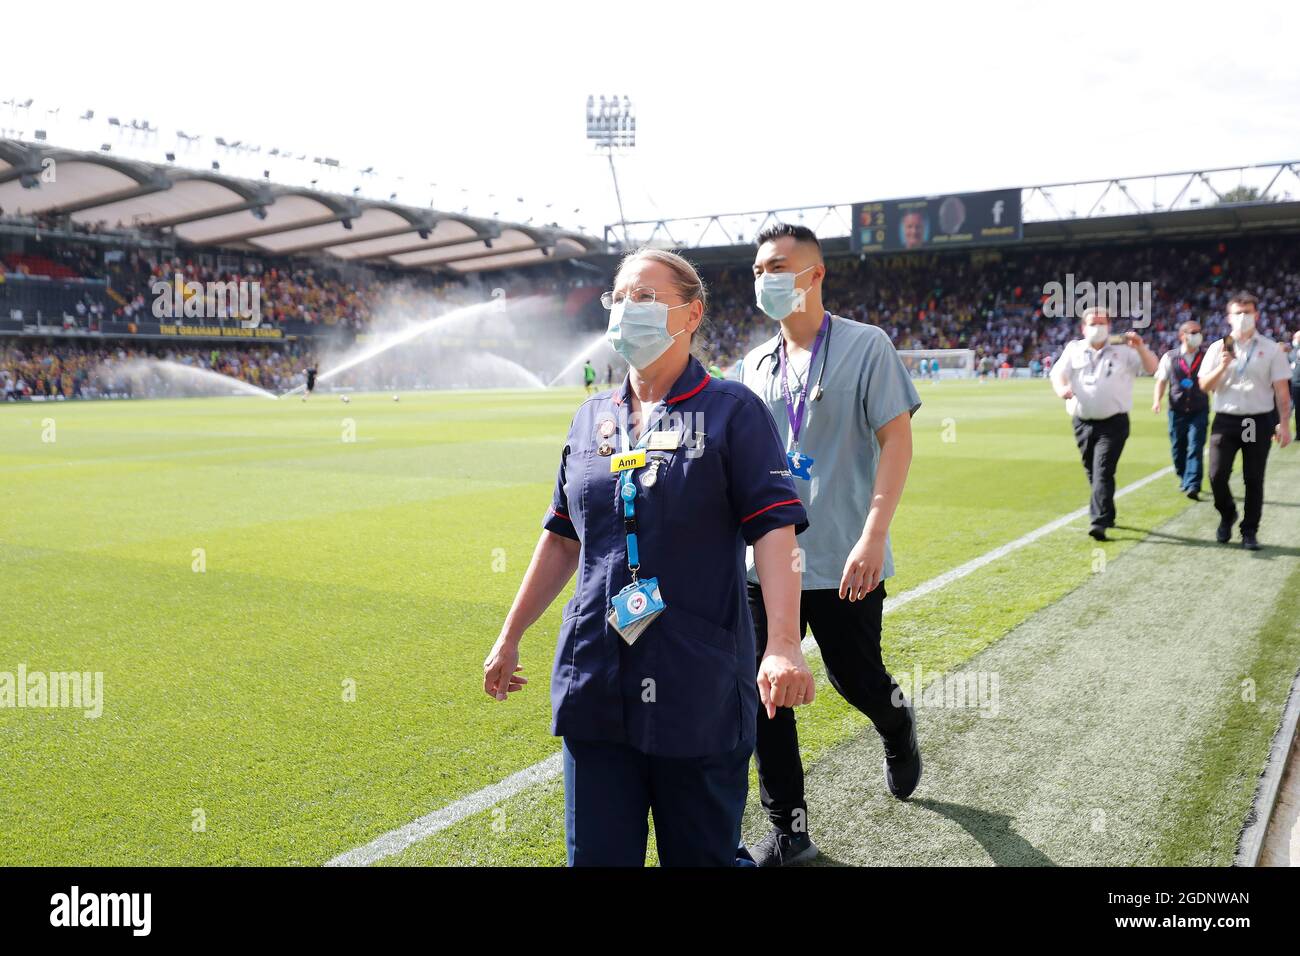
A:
[(1251, 435), (1100, 441)]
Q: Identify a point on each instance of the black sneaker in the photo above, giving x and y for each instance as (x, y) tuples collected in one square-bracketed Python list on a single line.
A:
[(903, 759), (1224, 534), (1193, 494), (783, 849), (1098, 532), (1248, 541)]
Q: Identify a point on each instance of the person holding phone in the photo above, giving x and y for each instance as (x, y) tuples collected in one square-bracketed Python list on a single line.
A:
[(1247, 373), (1095, 378), (655, 690)]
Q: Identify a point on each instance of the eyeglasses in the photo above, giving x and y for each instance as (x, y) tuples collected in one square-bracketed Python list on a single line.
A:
[(639, 295)]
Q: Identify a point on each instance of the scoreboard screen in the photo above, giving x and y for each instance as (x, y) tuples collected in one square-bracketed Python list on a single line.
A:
[(937, 222)]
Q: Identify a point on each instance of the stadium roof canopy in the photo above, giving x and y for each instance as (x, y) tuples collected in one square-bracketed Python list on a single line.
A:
[(211, 209)]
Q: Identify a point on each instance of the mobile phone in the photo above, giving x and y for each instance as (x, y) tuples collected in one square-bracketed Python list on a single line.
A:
[(1228, 348), (1119, 338)]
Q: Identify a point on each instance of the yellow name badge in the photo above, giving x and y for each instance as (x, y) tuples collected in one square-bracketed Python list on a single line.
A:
[(633, 459), (664, 440)]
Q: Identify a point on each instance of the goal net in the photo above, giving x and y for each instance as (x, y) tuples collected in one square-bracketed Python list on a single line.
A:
[(953, 363)]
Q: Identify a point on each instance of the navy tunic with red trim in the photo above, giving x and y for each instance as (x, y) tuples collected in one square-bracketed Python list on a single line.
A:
[(686, 687)]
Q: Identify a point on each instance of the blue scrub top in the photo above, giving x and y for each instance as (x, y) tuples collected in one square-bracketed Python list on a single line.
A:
[(686, 687)]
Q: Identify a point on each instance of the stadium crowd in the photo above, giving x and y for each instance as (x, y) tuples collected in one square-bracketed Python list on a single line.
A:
[(991, 301), (988, 301), (86, 370)]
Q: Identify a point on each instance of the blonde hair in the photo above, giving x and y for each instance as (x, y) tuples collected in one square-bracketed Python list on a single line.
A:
[(686, 282)]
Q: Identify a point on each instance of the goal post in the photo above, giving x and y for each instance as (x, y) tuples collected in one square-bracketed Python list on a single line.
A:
[(953, 363)]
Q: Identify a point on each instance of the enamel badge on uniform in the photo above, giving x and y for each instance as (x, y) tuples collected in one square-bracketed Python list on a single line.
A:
[(605, 449), (606, 428)]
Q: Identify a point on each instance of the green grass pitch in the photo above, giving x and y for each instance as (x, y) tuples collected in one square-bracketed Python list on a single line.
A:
[(290, 604)]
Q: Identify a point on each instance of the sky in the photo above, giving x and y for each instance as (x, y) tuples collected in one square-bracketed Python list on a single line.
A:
[(740, 107)]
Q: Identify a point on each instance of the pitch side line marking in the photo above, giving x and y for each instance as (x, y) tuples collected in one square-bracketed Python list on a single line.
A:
[(394, 841)]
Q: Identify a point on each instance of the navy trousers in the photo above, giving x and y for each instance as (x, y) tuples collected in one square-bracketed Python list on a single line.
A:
[(1187, 443), (611, 790)]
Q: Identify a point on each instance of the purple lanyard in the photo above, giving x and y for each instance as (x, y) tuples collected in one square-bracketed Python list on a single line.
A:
[(796, 417)]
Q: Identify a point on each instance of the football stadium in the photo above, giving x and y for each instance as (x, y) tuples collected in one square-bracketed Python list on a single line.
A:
[(279, 446)]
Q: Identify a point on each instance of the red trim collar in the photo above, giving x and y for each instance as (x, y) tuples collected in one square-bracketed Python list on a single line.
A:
[(695, 391), (617, 397)]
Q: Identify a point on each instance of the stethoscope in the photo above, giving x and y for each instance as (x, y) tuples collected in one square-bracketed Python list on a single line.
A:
[(774, 355)]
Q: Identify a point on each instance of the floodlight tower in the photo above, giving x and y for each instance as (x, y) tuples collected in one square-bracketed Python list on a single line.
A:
[(611, 125)]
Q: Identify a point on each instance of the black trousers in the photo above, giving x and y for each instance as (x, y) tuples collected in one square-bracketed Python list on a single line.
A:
[(1101, 441), (1251, 435), (848, 634), (1295, 410)]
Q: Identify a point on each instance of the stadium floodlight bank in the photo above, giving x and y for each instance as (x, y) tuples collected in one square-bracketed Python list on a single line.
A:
[(953, 363)]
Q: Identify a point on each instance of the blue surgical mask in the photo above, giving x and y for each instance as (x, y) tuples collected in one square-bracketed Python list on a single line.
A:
[(638, 331), (776, 293)]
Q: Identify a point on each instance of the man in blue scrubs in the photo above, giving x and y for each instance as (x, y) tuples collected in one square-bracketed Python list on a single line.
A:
[(842, 400)]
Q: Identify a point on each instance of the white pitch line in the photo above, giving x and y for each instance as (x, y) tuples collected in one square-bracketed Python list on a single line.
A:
[(395, 841)]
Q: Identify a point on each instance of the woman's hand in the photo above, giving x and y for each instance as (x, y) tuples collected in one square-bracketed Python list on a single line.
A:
[(501, 669), (554, 560), (784, 679)]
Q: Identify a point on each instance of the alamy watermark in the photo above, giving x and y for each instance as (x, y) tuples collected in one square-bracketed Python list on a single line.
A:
[(966, 690), (75, 690), (1120, 300), (178, 299)]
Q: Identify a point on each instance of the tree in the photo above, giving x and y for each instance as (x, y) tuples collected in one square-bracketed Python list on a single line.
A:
[(1240, 194)]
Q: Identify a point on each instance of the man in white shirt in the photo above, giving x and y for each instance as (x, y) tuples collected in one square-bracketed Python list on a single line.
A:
[(1095, 377), (1247, 373)]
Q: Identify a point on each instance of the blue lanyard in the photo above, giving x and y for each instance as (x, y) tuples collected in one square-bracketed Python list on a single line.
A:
[(627, 491)]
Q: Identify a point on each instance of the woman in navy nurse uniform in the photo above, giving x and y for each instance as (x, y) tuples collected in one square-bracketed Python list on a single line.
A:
[(662, 484)]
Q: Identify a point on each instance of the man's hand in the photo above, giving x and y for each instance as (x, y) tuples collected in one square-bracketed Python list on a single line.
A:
[(863, 568), (1282, 435), (784, 679), (501, 669), (1155, 406), (1133, 339)]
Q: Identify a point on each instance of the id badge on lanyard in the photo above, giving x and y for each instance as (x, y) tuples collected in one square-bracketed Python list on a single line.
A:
[(800, 464), (1090, 377), (633, 609)]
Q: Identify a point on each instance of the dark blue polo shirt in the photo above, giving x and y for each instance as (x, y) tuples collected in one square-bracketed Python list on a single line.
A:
[(686, 687)]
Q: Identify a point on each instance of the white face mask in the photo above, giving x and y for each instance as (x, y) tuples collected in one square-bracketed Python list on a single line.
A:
[(1243, 323), (1096, 334), (1193, 340), (776, 293)]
